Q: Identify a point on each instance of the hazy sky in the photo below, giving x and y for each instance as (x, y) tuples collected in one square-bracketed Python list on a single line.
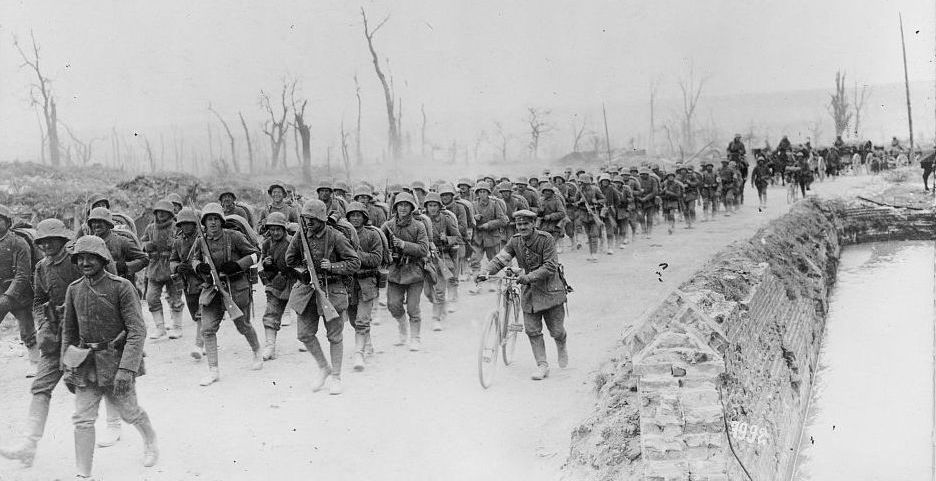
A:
[(146, 64)]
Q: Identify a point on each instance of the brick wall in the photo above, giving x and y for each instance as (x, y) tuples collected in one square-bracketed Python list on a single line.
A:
[(716, 379)]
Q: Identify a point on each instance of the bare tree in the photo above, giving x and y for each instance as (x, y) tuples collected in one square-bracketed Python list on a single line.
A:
[(838, 105), (536, 120), (230, 135), (83, 149), (422, 148), (691, 88), (578, 130), (302, 127), (481, 137), (859, 104), (41, 95), (149, 153), (116, 147), (504, 139), (653, 93), (250, 154), (275, 127), (358, 155), (345, 155), (43, 138), (392, 117), (815, 130)]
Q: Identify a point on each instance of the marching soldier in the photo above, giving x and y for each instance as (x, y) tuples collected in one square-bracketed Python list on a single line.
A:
[(409, 241), (53, 275), (710, 192), (102, 350), (543, 295), (589, 205), (231, 255), (229, 206), (332, 204), (334, 260), (16, 290), (624, 214), (176, 201), (512, 203), (531, 196), (570, 194), (649, 190), (277, 278), (672, 194), (610, 210), (374, 253), (277, 193), (552, 212), (128, 258), (760, 178), (446, 238), (728, 179), (375, 214), (691, 182), (181, 266), (465, 221), (490, 218), (157, 242)]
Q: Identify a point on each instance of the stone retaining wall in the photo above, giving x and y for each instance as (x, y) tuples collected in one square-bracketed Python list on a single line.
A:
[(716, 380)]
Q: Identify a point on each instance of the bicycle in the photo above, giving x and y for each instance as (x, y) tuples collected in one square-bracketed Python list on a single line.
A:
[(499, 335)]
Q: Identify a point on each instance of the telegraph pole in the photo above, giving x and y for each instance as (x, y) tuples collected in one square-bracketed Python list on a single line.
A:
[(903, 47)]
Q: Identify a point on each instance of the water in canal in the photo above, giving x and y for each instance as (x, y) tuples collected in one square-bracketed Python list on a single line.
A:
[(871, 413)]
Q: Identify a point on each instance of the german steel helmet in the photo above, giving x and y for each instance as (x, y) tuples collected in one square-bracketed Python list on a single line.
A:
[(175, 199), (505, 186), (187, 214), (547, 186), (99, 198), (446, 189), (51, 228), (274, 185), (315, 209), (432, 197), (90, 244), (225, 192), (357, 207), (276, 218), (101, 213), (363, 189), (405, 197), (164, 205), (483, 185), (212, 208), (342, 186)]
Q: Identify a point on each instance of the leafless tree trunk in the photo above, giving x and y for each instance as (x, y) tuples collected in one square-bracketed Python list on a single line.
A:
[(815, 131), (578, 130), (392, 118), (250, 154), (859, 104), (652, 142), (116, 145), (422, 148), (477, 144), (45, 99), (44, 138), (230, 135), (345, 155), (504, 138), (211, 156), (536, 120), (149, 154), (178, 148), (162, 152), (838, 105), (691, 92), (83, 149), (275, 128), (358, 154), (303, 129)]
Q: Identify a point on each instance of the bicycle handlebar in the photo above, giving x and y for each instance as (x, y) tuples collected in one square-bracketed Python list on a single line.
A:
[(509, 274)]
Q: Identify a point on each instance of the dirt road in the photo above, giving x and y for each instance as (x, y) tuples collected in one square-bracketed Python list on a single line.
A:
[(412, 416)]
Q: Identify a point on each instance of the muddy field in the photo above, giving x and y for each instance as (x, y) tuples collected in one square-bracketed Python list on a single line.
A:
[(413, 416)]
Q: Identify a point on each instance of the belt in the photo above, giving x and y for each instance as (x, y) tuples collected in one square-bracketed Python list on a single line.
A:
[(100, 346), (366, 274)]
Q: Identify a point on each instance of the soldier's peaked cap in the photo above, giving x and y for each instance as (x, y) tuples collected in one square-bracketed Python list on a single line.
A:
[(524, 214)]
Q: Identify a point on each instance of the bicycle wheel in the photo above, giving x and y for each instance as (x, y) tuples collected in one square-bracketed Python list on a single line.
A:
[(487, 350), (511, 327)]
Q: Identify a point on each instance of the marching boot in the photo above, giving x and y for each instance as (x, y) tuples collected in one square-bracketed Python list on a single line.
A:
[(452, 297), (26, 450), (254, 342), (211, 352), (84, 452), (562, 352), (315, 349), (360, 339), (401, 323), (336, 352), (269, 348), (160, 322), (112, 432), (175, 329), (368, 345), (539, 354), (199, 349), (438, 312), (33, 353), (150, 450), (414, 343)]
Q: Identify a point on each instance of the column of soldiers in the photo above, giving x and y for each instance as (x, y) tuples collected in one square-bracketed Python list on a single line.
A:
[(323, 258)]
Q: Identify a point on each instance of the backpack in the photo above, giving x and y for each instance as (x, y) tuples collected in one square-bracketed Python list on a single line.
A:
[(28, 234), (469, 208)]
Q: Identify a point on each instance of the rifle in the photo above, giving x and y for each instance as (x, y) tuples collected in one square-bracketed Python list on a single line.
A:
[(302, 294), (207, 296), (601, 224)]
